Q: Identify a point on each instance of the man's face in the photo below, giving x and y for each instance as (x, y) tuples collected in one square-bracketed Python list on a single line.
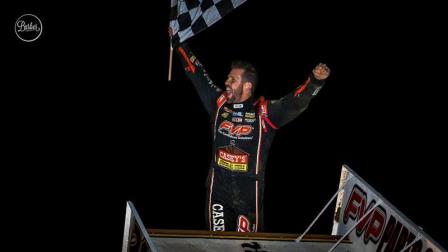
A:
[(234, 85)]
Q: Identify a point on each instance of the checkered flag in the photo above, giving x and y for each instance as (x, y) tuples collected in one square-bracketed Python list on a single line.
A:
[(189, 17)]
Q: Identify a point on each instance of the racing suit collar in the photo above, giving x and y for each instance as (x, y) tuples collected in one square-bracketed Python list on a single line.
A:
[(249, 102)]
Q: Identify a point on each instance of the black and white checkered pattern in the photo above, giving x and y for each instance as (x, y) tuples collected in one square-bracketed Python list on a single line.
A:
[(189, 17)]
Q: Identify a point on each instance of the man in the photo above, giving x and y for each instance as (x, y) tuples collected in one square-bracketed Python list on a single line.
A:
[(243, 130)]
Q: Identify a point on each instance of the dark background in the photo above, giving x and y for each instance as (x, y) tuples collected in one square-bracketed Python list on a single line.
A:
[(91, 121)]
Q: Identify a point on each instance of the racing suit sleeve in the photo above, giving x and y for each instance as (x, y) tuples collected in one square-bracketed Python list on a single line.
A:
[(290, 106), (207, 90)]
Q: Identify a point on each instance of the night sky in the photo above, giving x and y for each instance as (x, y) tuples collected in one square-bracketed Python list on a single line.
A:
[(91, 120)]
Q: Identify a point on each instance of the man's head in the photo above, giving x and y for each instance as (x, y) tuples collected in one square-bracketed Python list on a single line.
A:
[(241, 81)]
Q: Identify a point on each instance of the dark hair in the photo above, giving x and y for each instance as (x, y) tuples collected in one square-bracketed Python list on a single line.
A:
[(250, 72)]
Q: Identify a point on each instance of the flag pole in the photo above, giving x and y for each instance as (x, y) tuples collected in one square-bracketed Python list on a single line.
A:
[(170, 66)]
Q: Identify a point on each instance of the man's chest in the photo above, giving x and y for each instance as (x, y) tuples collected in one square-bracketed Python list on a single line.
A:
[(240, 124)]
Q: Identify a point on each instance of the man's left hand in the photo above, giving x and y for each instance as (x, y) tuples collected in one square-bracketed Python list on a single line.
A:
[(321, 71)]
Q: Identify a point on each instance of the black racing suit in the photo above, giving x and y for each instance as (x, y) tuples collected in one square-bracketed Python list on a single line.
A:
[(242, 134)]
